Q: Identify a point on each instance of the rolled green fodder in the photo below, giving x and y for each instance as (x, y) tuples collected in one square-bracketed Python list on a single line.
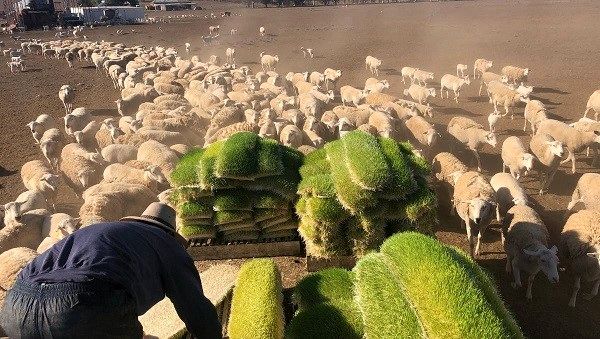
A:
[(185, 173), (332, 285), (366, 164), (326, 321), (386, 310), (256, 307), (453, 297), (237, 158)]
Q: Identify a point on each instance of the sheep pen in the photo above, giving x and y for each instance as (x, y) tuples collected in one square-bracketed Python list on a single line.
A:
[(563, 88)]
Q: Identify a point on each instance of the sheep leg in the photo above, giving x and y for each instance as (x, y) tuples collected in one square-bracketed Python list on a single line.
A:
[(516, 274), (573, 163), (568, 157), (593, 292), (480, 88), (576, 287), (530, 280), (456, 94), (478, 160), (469, 237), (478, 246)]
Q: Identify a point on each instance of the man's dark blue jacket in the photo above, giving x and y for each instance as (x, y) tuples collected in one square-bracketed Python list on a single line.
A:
[(144, 259)]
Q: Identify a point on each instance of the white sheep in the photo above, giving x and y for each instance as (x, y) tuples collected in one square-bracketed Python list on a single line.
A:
[(487, 77), (118, 153), (11, 264), (66, 94), (316, 78), (574, 140), (454, 83), (81, 169), (548, 152), (372, 64), (187, 47), (112, 201), (421, 77), (461, 69), (24, 232), (515, 74), (474, 200), (508, 192), (383, 123), (500, 94), (373, 85), (77, 120), (586, 194), (408, 72), (331, 78), (422, 130), (515, 158), (158, 154), (151, 177), (493, 120), (40, 125), (37, 176), (471, 134), (582, 250), (51, 144), (86, 137), (268, 62), (352, 95), (526, 245), (230, 55), (262, 30), (54, 228), (419, 93), (535, 112), (307, 51), (291, 136), (480, 66), (447, 168), (593, 104), (27, 201)]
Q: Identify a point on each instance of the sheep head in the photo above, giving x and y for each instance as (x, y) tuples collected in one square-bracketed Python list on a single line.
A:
[(547, 259), (480, 210), (431, 136), (50, 181), (154, 173), (556, 148), (490, 138), (68, 225), (431, 92), (527, 162)]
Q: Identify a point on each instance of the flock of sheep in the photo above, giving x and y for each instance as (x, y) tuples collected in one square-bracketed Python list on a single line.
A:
[(169, 104)]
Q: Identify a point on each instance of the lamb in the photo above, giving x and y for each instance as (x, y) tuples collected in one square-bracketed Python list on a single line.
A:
[(586, 193), (81, 169), (70, 57), (40, 125), (51, 144), (372, 64), (471, 134), (516, 74), (515, 158), (262, 30), (308, 51), (574, 140), (535, 112), (454, 83), (27, 201), (419, 93), (421, 77), (473, 200), (291, 136), (422, 130), (118, 153), (503, 95), (268, 62), (352, 95), (187, 47), (158, 154), (373, 85), (331, 78), (462, 69), (580, 239), (113, 201), (77, 120), (493, 120), (593, 104), (37, 176), (487, 77), (447, 168), (214, 29), (526, 245), (508, 192), (548, 152), (480, 66), (151, 177), (66, 94), (408, 72), (230, 55)]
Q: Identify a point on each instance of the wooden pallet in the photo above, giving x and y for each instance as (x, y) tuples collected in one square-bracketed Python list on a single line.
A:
[(247, 250), (316, 264)]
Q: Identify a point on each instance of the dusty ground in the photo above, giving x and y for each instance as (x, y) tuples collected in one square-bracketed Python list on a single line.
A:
[(556, 39)]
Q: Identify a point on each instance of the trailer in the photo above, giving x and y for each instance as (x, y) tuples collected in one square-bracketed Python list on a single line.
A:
[(115, 14)]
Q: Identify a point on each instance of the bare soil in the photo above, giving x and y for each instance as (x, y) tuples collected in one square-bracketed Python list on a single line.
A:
[(557, 40)]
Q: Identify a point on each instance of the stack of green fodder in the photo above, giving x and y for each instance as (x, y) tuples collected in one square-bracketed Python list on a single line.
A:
[(416, 287), (359, 189), (241, 188)]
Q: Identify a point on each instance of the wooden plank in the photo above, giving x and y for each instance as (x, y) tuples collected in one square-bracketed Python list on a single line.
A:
[(316, 264), (237, 251)]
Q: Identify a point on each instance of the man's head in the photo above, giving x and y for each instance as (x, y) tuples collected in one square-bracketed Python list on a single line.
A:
[(162, 216)]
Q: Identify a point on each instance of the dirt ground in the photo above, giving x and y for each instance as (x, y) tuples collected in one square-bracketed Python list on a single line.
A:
[(557, 40)]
